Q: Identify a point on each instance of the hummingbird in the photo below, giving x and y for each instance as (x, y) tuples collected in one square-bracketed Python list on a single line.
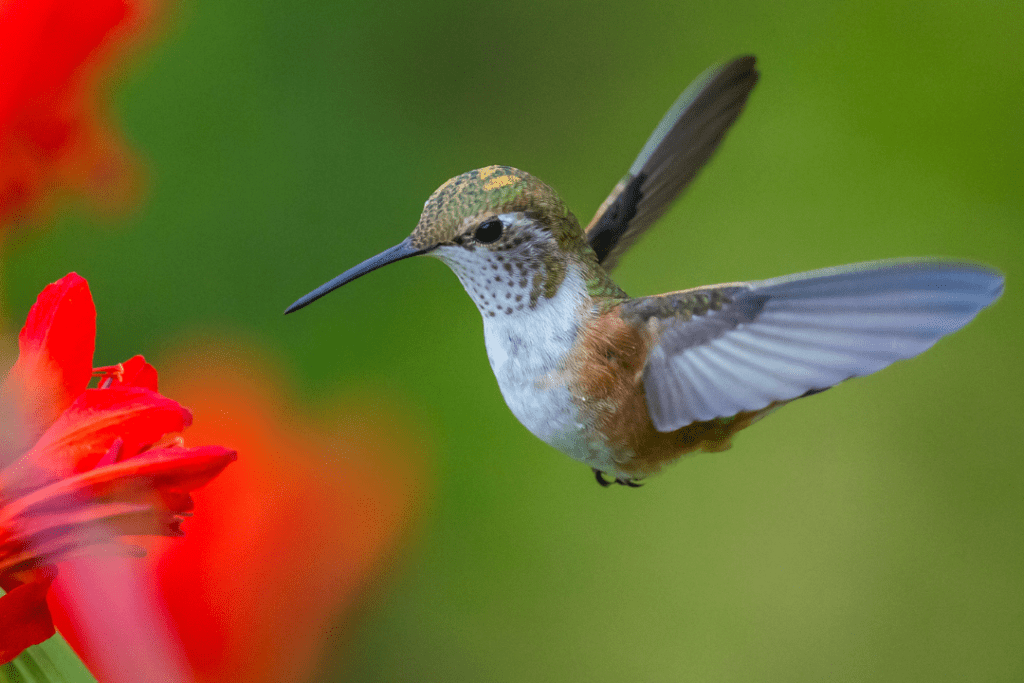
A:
[(626, 385)]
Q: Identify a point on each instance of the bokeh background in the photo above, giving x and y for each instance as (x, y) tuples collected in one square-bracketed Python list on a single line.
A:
[(874, 532)]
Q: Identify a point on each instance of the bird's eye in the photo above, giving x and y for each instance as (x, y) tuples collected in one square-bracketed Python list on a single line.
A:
[(489, 231)]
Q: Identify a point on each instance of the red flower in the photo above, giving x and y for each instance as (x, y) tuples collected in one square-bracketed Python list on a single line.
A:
[(53, 135), (79, 466), (325, 505)]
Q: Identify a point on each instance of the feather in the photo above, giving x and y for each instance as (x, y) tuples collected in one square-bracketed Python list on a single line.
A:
[(776, 340), (678, 148)]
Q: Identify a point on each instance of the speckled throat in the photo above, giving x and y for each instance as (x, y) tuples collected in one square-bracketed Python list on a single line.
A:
[(509, 280)]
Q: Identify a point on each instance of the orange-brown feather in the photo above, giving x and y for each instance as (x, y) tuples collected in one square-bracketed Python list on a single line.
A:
[(608, 366)]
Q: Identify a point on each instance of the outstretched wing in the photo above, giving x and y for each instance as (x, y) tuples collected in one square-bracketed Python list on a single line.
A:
[(729, 348), (677, 149)]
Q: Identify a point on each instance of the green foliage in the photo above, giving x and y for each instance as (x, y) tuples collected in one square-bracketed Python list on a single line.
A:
[(52, 661)]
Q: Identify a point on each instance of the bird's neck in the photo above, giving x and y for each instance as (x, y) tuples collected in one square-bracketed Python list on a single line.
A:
[(600, 286), (528, 343)]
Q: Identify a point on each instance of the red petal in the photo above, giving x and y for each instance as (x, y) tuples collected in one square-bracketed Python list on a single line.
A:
[(314, 512), (50, 54), (24, 617), (51, 537), (174, 469), (109, 607), (56, 347), (40, 65), (85, 432), (142, 495), (21, 28), (137, 373)]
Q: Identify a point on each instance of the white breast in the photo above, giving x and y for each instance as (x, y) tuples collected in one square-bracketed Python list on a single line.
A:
[(527, 348), (529, 345), (527, 351)]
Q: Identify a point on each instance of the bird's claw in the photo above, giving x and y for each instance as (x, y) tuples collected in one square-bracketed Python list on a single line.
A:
[(599, 475)]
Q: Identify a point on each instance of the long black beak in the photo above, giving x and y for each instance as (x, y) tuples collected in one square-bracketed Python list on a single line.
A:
[(396, 253)]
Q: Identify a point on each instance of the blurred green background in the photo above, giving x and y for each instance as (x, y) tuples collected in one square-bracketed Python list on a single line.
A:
[(873, 533)]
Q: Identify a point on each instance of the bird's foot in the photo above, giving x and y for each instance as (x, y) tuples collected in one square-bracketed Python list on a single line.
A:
[(599, 475)]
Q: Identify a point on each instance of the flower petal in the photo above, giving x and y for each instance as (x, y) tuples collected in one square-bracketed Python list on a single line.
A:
[(316, 513), (52, 136), (38, 68), (137, 373), (173, 469), (55, 353), (47, 539), (142, 495), (86, 431), (24, 617), (109, 607), (324, 507)]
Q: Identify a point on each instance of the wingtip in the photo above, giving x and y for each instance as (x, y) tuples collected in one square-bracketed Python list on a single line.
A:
[(998, 284), (748, 62), (744, 66)]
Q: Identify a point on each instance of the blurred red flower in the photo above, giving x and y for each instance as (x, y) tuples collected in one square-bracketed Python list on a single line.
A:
[(55, 136), (80, 467), (291, 540)]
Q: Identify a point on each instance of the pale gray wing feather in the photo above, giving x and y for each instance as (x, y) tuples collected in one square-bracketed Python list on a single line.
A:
[(778, 339), (678, 148)]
